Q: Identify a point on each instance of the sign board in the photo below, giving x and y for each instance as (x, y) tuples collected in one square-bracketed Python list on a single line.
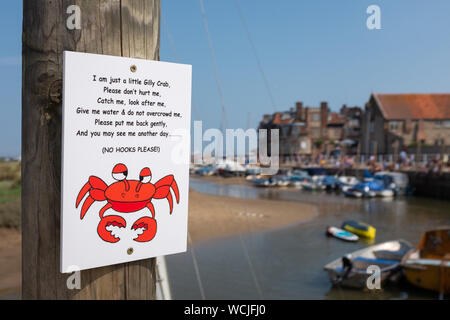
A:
[(125, 159)]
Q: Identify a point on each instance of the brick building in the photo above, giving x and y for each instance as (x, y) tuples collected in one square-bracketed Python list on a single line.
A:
[(305, 130), (395, 121)]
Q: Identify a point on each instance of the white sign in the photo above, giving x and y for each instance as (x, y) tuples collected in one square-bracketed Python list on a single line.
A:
[(125, 161)]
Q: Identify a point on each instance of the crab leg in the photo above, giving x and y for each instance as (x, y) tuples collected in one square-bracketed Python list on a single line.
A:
[(86, 205), (93, 183), (152, 208), (163, 188), (103, 210)]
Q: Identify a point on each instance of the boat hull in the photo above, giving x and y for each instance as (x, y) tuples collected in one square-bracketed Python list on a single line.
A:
[(428, 266), (364, 231), (342, 234), (429, 274), (361, 259), (428, 278), (356, 280)]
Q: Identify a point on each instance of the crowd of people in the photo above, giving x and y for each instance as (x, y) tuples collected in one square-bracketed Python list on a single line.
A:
[(402, 162)]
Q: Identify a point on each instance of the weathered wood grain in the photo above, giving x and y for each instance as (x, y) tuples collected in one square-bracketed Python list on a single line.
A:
[(113, 27)]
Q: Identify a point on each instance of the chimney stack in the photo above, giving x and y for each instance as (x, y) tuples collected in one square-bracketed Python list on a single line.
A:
[(299, 110), (324, 114)]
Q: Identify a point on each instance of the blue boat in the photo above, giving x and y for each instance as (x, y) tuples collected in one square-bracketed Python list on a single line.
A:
[(270, 182), (396, 181), (331, 183), (368, 189)]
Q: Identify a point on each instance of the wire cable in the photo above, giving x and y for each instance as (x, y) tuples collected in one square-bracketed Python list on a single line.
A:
[(197, 270), (177, 57), (213, 59), (255, 53)]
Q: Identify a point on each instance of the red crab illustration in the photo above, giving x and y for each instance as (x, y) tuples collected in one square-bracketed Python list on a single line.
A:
[(127, 196)]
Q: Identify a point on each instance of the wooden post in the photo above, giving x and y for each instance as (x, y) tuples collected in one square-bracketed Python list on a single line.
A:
[(375, 149), (418, 153), (358, 155), (112, 27), (396, 146)]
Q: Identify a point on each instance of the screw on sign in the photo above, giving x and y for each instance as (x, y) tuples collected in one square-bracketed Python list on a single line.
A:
[(127, 196)]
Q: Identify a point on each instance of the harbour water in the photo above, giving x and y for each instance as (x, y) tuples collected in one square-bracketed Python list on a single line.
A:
[(288, 263)]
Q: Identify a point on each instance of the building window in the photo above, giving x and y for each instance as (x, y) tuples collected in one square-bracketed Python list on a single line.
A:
[(315, 117), (372, 127), (353, 123), (438, 123), (447, 123), (316, 133), (394, 125)]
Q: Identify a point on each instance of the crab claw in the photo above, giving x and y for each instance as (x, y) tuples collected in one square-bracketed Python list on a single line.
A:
[(110, 221), (149, 226)]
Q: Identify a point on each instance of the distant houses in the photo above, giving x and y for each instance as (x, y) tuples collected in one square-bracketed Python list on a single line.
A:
[(306, 131), (390, 123), (399, 121)]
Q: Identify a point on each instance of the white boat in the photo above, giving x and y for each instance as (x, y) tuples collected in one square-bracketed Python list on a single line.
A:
[(342, 234), (296, 184), (347, 180), (351, 270), (283, 182), (313, 185), (352, 193), (386, 193)]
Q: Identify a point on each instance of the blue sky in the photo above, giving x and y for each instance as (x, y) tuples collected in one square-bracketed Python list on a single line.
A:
[(310, 50)]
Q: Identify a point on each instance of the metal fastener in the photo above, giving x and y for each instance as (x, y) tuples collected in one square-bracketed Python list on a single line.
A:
[(133, 68), (130, 251)]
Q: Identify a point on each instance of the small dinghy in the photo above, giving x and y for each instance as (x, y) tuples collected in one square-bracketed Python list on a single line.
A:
[(264, 182), (341, 234), (351, 270), (359, 228)]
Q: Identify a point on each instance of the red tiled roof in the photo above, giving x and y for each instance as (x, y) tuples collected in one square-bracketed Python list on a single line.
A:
[(414, 106), (277, 119), (335, 119)]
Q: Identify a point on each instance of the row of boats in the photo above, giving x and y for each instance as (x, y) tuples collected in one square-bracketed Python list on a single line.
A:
[(427, 266), (382, 184)]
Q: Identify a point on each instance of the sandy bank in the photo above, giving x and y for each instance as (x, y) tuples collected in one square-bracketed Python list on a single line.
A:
[(222, 180), (216, 216)]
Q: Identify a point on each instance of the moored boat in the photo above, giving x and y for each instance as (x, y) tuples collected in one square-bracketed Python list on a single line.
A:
[(351, 270), (352, 192), (385, 193), (270, 182), (347, 181), (396, 181), (341, 234), (359, 228), (282, 181), (428, 266)]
